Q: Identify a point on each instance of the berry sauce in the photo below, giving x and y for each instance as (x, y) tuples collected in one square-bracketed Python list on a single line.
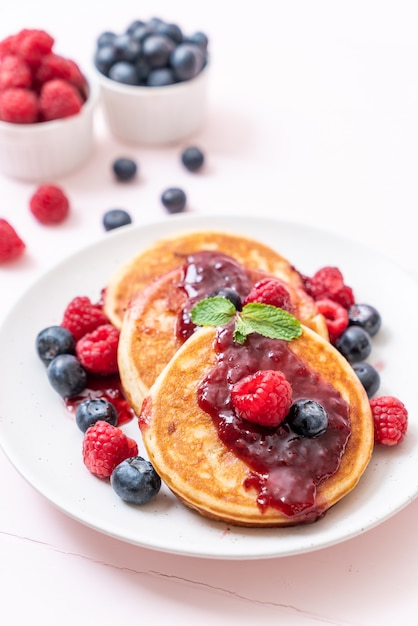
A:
[(205, 273), (109, 388), (285, 467)]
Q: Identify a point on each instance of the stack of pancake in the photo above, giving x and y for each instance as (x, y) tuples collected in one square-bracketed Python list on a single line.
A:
[(161, 372)]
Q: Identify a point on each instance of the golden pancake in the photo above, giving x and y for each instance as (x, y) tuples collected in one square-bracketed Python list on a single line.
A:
[(169, 253), (149, 336), (204, 466)]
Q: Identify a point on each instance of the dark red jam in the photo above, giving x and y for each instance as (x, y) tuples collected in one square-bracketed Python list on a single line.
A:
[(285, 468), (204, 273), (109, 388)]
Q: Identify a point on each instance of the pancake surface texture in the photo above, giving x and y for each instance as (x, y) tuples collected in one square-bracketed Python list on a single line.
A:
[(207, 474), (146, 297), (169, 253)]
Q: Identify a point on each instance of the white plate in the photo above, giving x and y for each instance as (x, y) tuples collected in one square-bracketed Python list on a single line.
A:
[(44, 444)]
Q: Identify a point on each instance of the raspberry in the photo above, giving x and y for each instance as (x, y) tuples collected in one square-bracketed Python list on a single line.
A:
[(98, 351), (390, 420), (49, 204), (336, 317), (328, 282), (104, 447), (18, 106), (54, 66), (82, 316), (14, 72), (11, 245), (32, 45), (59, 99), (264, 397), (7, 46), (270, 291)]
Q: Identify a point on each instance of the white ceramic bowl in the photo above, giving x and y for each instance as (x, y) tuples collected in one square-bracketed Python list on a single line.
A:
[(48, 150), (154, 116)]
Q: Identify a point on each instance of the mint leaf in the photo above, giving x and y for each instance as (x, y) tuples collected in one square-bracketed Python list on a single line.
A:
[(215, 311), (255, 317), (270, 321), (242, 329)]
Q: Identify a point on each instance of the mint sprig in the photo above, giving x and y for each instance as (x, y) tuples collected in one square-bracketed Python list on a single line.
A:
[(255, 317)]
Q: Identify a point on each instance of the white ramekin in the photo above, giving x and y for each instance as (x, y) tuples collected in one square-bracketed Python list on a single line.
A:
[(48, 150), (154, 116)]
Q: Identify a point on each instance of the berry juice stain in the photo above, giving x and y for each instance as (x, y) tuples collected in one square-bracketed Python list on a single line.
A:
[(109, 388), (205, 273), (286, 468)]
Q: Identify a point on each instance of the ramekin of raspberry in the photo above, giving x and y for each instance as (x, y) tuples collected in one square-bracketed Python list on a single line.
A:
[(46, 108), (153, 81)]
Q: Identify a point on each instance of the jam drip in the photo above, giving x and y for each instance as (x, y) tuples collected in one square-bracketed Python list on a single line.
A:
[(286, 468), (109, 388), (204, 273)]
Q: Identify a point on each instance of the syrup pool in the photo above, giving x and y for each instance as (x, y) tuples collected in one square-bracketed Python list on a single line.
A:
[(109, 388)]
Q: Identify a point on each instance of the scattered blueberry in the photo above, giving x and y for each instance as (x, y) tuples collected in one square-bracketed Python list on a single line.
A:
[(52, 341), (192, 158), (66, 375), (115, 218), (92, 410), (229, 294), (369, 377), (307, 418), (355, 344), (124, 168), (135, 480), (366, 316), (174, 200)]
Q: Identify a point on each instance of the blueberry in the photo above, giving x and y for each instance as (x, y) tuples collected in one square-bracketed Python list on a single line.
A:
[(126, 48), (124, 72), (135, 480), (156, 50), (160, 77), (141, 31), (124, 168), (173, 31), (52, 341), (106, 39), (365, 316), (187, 60), (229, 294), (66, 375), (142, 69), (199, 39), (192, 158), (104, 58), (92, 410), (307, 418), (355, 344), (133, 26), (115, 218), (369, 377), (174, 200)]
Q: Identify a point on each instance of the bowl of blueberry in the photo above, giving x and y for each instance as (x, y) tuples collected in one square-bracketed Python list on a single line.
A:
[(153, 81), (46, 108)]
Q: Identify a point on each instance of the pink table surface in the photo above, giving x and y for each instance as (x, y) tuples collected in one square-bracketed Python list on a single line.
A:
[(312, 118)]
